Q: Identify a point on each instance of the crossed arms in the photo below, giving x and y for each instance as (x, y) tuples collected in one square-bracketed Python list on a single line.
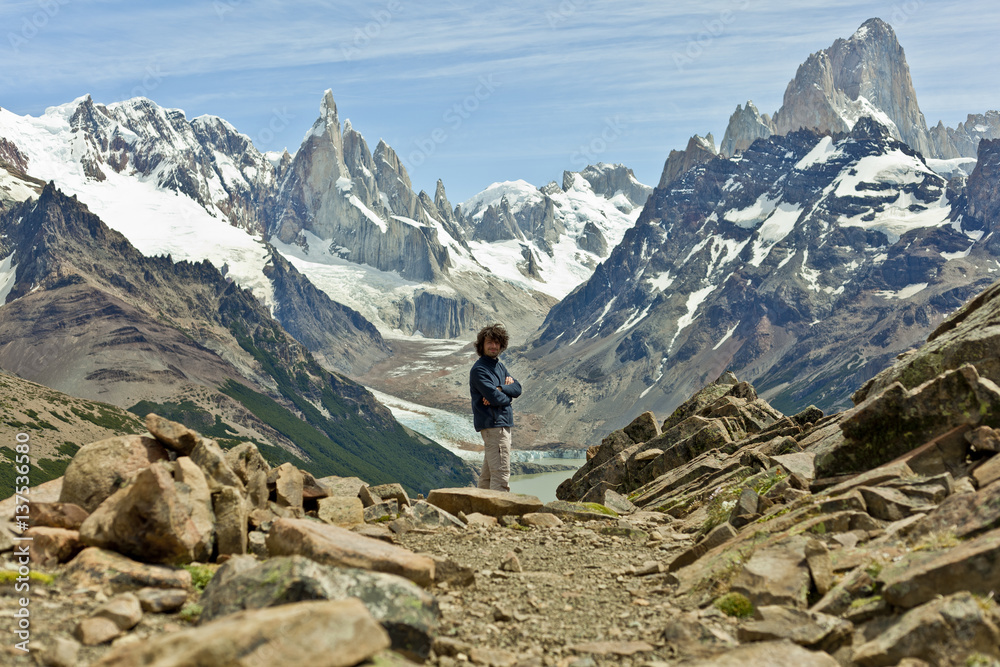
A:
[(495, 395)]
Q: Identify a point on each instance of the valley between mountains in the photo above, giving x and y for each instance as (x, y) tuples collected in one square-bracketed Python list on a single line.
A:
[(780, 360)]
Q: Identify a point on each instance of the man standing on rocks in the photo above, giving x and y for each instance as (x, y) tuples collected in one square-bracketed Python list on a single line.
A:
[(493, 390)]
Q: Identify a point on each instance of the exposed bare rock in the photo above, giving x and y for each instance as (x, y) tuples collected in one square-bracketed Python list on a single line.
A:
[(945, 631), (95, 567), (972, 566), (745, 126), (250, 467), (408, 613), (865, 74), (808, 629), (164, 516), (174, 436), (231, 514), (339, 633), (776, 575), (772, 653), (484, 501), (287, 482), (208, 456), (50, 546), (56, 515), (431, 516), (101, 468), (341, 511), (331, 545), (161, 600), (387, 491), (698, 151), (898, 420)]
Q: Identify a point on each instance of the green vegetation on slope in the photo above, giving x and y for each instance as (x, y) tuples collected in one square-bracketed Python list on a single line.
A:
[(342, 430)]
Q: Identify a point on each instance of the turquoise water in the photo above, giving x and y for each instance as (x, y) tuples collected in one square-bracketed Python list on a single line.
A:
[(543, 485)]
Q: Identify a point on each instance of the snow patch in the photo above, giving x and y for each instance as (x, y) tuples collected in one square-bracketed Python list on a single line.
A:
[(694, 300), (904, 293), (779, 225), (729, 334), (661, 281), (634, 320), (8, 276), (958, 255), (820, 153)]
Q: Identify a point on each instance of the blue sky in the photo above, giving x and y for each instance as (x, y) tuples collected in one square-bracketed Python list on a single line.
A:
[(477, 92)]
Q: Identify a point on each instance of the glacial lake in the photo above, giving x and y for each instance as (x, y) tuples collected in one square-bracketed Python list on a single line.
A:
[(544, 484)]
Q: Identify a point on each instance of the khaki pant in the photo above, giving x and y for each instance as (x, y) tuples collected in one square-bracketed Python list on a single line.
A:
[(496, 459)]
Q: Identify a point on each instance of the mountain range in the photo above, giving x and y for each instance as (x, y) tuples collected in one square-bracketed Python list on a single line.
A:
[(91, 316), (809, 249), (826, 244)]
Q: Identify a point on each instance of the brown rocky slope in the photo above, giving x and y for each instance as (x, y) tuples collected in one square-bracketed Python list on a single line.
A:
[(727, 534)]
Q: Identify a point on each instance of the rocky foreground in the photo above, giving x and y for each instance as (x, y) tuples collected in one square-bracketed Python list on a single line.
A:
[(727, 534)]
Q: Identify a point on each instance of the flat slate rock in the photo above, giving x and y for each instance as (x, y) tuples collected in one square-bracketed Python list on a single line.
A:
[(972, 566), (808, 629), (484, 501), (773, 654), (942, 632), (332, 545), (332, 633), (94, 567)]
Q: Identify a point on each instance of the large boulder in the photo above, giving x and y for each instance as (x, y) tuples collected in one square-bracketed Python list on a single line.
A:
[(164, 516), (332, 633), (969, 336), (287, 481), (252, 469), (174, 436), (212, 461), (898, 420), (232, 513), (102, 468), (772, 653), (336, 546), (776, 575), (408, 613)]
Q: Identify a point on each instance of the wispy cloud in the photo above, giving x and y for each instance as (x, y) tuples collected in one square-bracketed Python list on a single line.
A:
[(396, 67)]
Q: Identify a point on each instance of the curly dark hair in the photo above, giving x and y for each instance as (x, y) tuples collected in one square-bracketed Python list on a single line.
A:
[(496, 332)]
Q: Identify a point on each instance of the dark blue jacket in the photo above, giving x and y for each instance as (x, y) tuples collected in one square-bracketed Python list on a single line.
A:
[(486, 375)]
